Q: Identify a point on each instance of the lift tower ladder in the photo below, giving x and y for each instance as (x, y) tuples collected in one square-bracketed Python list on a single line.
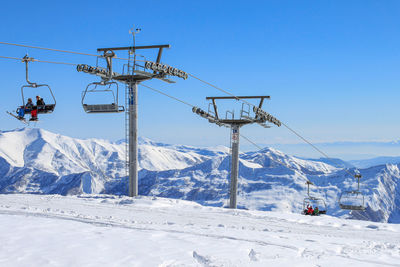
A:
[(260, 117)]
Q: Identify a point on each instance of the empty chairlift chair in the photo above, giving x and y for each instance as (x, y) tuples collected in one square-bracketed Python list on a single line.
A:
[(107, 89), (352, 200)]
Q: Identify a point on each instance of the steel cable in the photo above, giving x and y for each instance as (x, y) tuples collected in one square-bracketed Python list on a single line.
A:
[(42, 61), (172, 97), (61, 51)]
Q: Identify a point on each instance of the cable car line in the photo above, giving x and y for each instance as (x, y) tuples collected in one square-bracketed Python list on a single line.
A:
[(49, 49), (55, 62), (172, 97), (11, 58), (61, 51), (276, 160), (41, 61)]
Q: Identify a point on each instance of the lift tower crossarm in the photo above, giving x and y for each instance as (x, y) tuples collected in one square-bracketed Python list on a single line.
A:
[(133, 48), (237, 97)]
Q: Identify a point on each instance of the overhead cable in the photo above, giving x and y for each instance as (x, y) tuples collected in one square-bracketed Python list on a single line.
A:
[(61, 51), (42, 61), (172, 97), (55, 62), (50, 49), (11, 58)]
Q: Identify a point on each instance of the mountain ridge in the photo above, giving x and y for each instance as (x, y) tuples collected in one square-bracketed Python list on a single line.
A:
[(47, 163)]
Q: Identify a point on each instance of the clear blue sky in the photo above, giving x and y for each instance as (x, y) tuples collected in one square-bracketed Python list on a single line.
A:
[(330, 67)]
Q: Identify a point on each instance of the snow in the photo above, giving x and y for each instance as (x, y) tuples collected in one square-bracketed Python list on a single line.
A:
[(63, 155), (105, 230)]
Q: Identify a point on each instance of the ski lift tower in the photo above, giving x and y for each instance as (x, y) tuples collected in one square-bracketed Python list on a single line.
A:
[(135, 74), (260, 117)]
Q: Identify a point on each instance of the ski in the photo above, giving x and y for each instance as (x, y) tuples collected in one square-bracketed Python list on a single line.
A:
[(20, 119)]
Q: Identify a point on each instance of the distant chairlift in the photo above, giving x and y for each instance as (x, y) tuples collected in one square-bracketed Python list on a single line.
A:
[(352, 200), (43, 109), (106, 87), (313, 201)]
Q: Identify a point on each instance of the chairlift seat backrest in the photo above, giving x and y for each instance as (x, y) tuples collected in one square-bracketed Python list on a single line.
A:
[(44, 109)]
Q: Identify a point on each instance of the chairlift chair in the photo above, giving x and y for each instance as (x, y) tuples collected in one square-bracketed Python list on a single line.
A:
[(102, 87), (313, 201), (41, 109), (352, 200), (105, 86)]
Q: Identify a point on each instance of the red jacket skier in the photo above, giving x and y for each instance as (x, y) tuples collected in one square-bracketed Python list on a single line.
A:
[(309, 210)]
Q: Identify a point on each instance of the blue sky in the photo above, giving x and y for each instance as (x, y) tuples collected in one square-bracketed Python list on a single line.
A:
[(330, 67)]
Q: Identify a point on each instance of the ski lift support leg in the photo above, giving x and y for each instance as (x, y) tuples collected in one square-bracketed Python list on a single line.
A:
[(235, 165), (133, 140)]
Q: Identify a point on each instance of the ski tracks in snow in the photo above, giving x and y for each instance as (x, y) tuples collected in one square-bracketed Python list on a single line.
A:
[(265, 237)]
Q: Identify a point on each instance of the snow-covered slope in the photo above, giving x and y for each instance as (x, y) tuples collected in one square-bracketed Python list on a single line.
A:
[(101, 230), (37, 161)]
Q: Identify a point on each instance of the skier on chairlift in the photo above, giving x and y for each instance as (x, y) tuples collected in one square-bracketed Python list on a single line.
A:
[(40, 104), (309, 210), (23, 109), (316, 211), (39, 101)]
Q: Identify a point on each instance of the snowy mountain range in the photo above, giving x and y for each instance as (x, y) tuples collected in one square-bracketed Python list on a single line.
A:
[(41, 162)]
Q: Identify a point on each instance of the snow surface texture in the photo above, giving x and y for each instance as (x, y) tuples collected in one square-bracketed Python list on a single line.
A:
[(38, 161), (104, 230)]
